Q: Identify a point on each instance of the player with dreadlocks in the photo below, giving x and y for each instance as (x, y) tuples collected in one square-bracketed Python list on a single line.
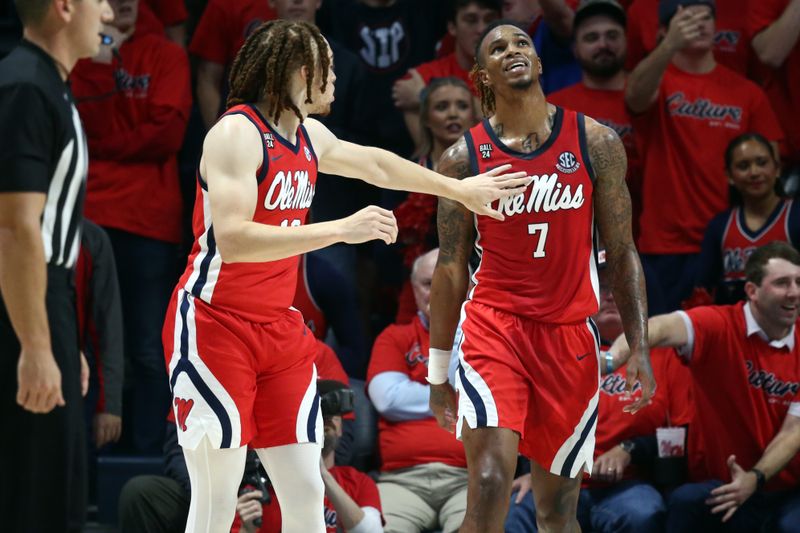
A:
[(240, 358), (528, 353)]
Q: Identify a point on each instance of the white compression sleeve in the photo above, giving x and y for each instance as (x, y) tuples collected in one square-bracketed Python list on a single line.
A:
[(294, 472), (215, 475)]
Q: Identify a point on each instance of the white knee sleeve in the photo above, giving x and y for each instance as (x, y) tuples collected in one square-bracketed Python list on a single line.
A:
[(294, 472), (215, 475)]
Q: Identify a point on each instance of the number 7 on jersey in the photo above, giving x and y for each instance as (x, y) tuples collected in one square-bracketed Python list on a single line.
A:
[(541, 229)]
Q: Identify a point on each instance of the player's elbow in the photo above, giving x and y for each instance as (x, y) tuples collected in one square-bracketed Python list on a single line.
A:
[(229, 244)]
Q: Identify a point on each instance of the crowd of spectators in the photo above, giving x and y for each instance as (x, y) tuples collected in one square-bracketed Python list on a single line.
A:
[(704, 95)]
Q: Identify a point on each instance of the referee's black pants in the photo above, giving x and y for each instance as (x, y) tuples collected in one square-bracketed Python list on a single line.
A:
[(43, 456)]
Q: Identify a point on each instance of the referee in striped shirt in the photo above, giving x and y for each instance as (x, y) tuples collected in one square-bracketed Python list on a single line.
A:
[(43, 165)]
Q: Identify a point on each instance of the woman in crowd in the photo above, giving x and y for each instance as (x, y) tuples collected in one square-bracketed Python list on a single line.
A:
[(759, 215)]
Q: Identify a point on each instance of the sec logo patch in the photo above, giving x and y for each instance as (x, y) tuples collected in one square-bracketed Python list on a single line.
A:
[(567, 163)]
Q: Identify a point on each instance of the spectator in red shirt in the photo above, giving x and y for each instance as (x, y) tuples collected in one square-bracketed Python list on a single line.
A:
[(731, 38), (744, 362), (620, 495), (686, 108), (600, 48), (468, 20), (352, 502), (134, 99), (423, 480), (760, 215), (775, 26)]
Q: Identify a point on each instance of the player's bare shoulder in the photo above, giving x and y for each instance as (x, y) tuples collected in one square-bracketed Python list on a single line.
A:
[(455, 161), (611, 197), (606, 151), (234, 142)]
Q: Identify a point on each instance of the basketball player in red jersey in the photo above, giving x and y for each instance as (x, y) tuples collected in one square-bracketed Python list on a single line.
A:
[(239, 357), (528, 353)]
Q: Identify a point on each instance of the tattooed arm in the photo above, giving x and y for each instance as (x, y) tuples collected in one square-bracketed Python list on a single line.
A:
[(450, 278), (454, 222), (612, 205)]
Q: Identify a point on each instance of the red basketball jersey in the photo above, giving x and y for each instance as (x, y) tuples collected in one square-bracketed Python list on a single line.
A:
[(738, 242), (539, 262), (287, 178)]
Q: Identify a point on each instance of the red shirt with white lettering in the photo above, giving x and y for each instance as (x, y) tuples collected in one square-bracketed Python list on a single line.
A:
[(731, 41), (445, 67), (682, 139), (134, 111), (782, 84), (359, 486), (742, 389), (224, 27), (286, 180), (671, 406), (540, 262), (404, 348)]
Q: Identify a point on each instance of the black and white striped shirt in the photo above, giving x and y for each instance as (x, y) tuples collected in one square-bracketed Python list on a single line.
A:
[(43, 147)]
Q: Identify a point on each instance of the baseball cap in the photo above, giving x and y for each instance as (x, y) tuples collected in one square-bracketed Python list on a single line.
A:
[(668, 8), (590, 8)]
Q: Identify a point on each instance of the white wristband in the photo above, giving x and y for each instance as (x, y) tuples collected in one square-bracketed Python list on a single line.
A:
[(438, 363)]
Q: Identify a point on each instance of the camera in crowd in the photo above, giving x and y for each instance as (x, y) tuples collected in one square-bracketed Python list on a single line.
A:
[(335, 397), (255, 478)]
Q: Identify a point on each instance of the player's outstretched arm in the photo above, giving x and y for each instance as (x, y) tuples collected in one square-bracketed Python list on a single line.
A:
[(450, 281), (231, 155), (613, 211), (387, 170)]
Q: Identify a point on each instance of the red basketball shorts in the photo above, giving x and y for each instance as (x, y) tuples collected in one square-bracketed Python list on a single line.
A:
[(240, 382), (540, 380)]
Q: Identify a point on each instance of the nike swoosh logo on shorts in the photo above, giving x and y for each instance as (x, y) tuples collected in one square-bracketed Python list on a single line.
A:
[(581, 357)]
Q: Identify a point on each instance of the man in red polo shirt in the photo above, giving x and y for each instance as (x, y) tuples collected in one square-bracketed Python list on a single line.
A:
[(744, 362), (775, 26), (468, 20), (686, 108), (423, 480)]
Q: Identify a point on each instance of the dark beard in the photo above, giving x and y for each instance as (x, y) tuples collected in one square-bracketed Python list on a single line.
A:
[(603, 70)]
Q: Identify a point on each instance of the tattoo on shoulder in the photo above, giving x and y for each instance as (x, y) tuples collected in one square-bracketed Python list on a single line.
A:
[(455, 161), (606, 151)]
